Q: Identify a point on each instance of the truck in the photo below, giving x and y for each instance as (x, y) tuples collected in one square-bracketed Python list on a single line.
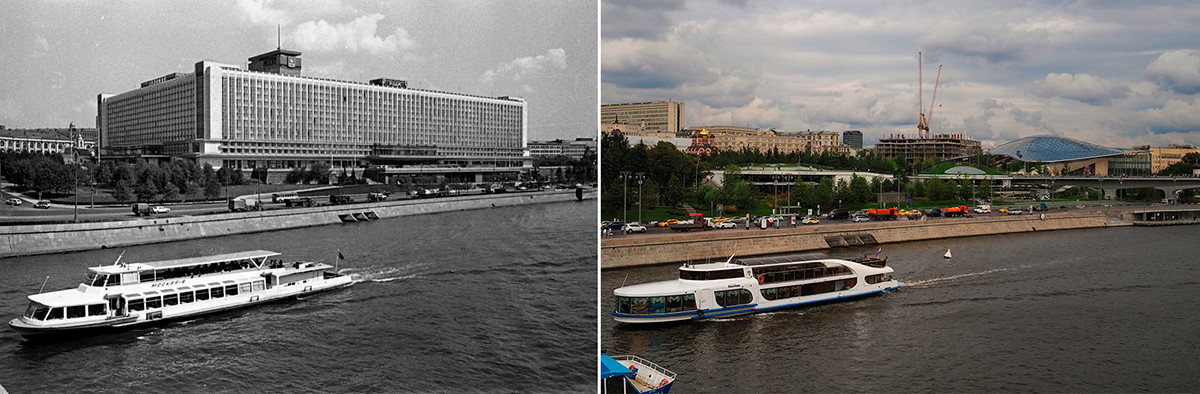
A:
[(338, 199), (300, 202), (882, 213), (244, 205), (1041, 207), (695, 221), (141, 209), (955, 211), (376, 196)]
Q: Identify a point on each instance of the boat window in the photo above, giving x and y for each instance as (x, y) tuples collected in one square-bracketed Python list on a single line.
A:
[(711, 275), (244, 287), (170, 300), (794, 272), (137, 305), (153, 302), (186, 297), (96, 310), (733, 297), (146, 276), (91, 278), (36, 311), (257, 285), (689, 302), (231, 290), (639, 306), (622, 305), (218, 292), (201, 294), (658, 305), (76, 311), (113, 280), (873, 279), (55, 313), (652, 305)]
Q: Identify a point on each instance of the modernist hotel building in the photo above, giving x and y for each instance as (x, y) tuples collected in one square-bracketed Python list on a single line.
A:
[(270, 116)]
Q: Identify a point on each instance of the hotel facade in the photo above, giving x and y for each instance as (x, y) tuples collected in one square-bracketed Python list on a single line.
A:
[(270, 116), (652, 117)]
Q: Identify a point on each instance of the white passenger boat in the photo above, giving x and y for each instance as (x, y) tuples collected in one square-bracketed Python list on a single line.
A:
[(748, 285), (135, 294)]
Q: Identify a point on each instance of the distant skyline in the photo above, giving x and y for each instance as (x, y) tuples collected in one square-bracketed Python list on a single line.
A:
[(59, 55), (1116, 74)]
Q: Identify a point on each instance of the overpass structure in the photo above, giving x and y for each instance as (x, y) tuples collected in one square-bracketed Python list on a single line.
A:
[(1170, 185)]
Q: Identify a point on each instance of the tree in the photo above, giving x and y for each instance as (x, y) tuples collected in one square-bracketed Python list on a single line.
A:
[(122, 192), (296, 175), (171, 193), (318, 172), (860, 190), (212, 188), (145, 191), (259, 173)]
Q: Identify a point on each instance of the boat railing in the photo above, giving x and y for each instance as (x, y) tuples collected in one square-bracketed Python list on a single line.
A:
[(877, 262), (648, 363)]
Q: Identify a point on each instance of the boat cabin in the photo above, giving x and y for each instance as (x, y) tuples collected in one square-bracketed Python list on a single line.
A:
[(127, 274)]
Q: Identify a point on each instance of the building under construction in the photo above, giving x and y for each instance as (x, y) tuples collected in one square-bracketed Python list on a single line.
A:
[(939, 147)]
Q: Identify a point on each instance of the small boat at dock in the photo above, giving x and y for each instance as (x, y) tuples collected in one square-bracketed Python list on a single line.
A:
[(126, 295), (636, 373)]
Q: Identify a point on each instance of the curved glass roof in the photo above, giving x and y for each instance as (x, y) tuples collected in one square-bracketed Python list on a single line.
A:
[(1050, 149)]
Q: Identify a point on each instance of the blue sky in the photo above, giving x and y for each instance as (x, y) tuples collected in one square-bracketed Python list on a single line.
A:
[(58, 55), (1113, 73)]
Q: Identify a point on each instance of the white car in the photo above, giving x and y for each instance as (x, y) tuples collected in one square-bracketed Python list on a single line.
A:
[(722, 224), (1015, 212), (633, 227), (810, 220), (13, 201), (859, 218), (159, 209)]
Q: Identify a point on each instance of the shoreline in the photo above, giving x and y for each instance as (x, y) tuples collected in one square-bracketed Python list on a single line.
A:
[(37, 239), (719, 244)]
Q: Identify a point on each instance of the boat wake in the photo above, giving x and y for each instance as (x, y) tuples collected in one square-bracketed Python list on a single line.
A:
[(948, 279), (381, 274)]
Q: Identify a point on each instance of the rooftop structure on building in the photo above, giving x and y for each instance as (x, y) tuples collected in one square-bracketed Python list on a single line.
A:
[(268, 114), (1074, 156), (48, 140), (940, 147), (658, 116)]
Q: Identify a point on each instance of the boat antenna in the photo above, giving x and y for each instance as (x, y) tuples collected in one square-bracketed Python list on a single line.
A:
[(731, 255), (115, 263), (622, 281), (44, 284)]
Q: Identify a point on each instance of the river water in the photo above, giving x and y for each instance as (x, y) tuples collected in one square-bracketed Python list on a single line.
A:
[(1097, 310), (471, 301)]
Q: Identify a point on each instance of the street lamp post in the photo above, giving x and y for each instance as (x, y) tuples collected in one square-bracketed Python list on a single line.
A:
[(625, 197), (640, 176)]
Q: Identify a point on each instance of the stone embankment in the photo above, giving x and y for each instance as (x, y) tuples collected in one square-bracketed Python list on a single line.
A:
[(54, 238), (718, 245)]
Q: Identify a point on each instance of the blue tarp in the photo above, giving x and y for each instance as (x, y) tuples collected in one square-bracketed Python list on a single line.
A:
[(610, 367)]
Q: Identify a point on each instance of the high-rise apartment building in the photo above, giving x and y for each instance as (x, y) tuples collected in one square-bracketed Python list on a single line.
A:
[(269, 115), (853, 139), (660, 116)]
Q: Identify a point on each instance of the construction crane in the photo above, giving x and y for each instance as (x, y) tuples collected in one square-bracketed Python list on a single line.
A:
[(922, 122)]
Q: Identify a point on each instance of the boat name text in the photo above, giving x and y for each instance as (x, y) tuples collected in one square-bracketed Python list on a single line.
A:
[(174, 282)]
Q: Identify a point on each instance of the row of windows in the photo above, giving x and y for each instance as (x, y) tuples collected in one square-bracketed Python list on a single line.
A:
[(153, 115), (796, 272), (711, 275), (733, 297), (41, 312), (873, 279), (187, 297), (779, 293), (655, 305)]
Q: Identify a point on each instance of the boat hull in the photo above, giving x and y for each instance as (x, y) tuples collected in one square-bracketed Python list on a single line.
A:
[(140, 320)]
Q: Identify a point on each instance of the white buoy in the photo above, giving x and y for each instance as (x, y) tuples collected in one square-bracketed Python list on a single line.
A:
[(947, 255)]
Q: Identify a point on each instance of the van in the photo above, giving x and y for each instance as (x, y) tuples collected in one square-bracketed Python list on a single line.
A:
[(839, 214), (983, 209)]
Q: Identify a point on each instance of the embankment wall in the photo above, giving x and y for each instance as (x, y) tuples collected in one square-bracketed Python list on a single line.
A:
[(54, 238), (718, 245)]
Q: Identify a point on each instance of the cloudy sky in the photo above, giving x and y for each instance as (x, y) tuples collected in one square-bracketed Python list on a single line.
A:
[(58, 55), (1113, 73)]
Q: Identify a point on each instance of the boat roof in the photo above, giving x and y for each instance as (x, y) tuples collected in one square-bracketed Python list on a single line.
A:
[(791, 258), (190, 261), (674, 287), (68, 297), (610, 367)]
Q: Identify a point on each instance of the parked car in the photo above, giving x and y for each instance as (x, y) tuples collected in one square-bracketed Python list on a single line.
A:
[(42, 204), (613, 226), (810, 220), (13, 201), (634, 227), (159, 209), (859, 218)]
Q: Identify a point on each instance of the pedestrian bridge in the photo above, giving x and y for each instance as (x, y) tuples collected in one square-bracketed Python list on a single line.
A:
[(1170, 185)]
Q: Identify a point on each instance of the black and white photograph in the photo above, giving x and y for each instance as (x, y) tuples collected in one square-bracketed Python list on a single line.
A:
[(298, 196)]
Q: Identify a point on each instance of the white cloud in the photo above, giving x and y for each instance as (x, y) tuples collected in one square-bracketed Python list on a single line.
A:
[(1174, 116), (1081, 87), (355, 36), (522, 67), (759, 113), (1178, 71), (988, 43), (261, 11)]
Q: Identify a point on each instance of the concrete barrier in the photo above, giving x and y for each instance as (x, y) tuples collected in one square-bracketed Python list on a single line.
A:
[(55, 238), (713, 246)]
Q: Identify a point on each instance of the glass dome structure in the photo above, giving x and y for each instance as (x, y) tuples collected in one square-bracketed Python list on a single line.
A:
[(1052, 149)]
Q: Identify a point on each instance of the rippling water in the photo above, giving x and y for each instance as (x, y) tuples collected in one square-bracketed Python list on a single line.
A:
[(473, 301), (1111, 310)]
